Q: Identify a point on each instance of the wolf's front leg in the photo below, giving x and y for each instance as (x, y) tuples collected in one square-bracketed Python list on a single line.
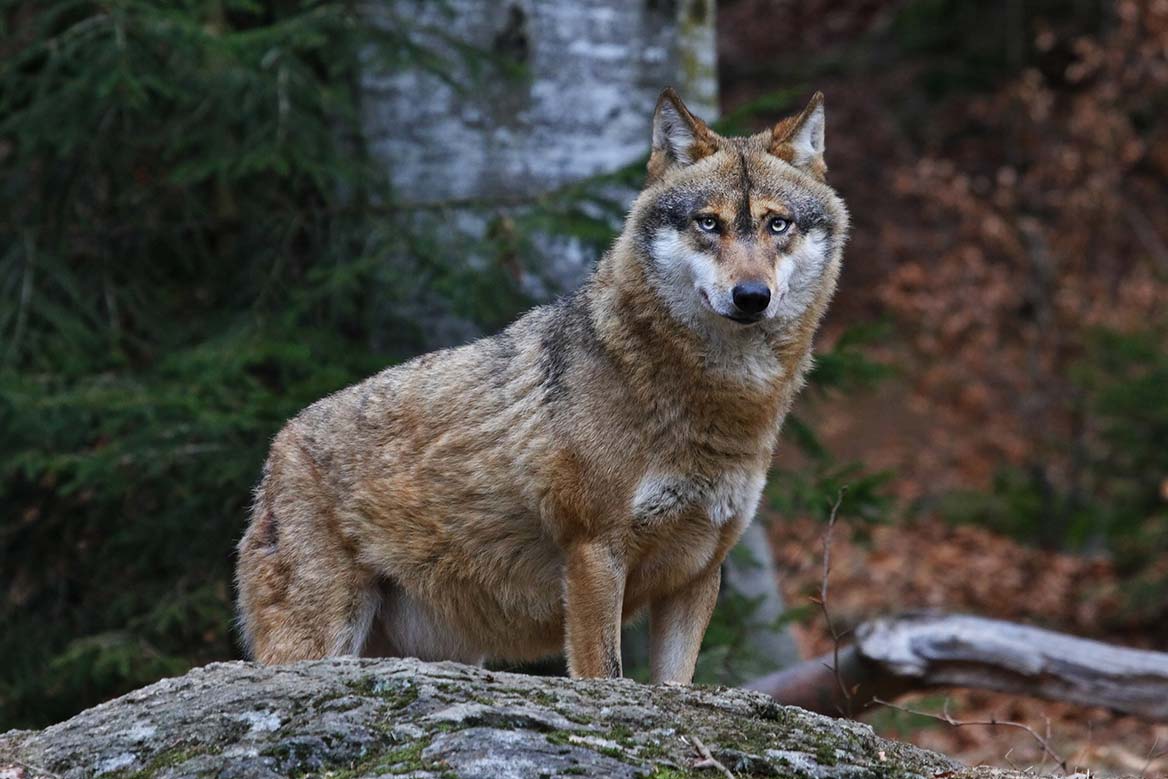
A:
[(677, 623), (594, 593)]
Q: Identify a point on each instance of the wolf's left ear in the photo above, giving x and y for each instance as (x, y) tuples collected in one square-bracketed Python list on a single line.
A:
[(679, 137), (799, 139)]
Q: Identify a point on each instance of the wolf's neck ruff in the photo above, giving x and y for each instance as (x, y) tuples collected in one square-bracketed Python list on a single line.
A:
[(528, 492), (702, 373)]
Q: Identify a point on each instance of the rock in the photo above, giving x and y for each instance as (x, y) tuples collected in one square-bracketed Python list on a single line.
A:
[(348, 718)]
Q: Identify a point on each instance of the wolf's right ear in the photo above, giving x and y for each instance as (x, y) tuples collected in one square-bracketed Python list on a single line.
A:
[(679, 137)]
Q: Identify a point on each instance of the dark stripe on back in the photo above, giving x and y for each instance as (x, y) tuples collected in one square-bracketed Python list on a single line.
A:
[(568, 334)]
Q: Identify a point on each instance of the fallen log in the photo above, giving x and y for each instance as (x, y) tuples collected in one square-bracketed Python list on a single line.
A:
[(893, 656)]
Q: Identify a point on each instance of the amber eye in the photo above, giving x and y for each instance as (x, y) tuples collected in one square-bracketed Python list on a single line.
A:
[(779, 225), (707, 224)]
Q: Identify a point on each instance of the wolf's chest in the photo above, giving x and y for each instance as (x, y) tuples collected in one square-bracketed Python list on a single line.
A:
[(661, 497)]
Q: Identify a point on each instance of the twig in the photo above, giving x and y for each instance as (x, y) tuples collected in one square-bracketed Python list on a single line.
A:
[(835, 635), (1085, 749), (1047, 738), (1010, 762), (708, 760), (948, 719), (1152, 755)]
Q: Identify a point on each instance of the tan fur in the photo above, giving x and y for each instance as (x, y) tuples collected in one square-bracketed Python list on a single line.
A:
[(781, 146), (527, 493)]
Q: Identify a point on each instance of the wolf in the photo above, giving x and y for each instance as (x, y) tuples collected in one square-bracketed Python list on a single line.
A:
[(528, 493)]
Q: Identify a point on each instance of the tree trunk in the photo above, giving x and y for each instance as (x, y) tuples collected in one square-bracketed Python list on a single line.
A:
[(566, 92), (749, 573), (526, 97)]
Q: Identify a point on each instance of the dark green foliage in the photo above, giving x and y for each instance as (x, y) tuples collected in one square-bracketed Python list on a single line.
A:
[(970, 46), (1125, 379), (808, 476), (194, 245), (761, 111)]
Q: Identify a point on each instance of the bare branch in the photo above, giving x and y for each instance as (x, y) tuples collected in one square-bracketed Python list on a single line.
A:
[(823, 592), (1152, 755), (948, 719)]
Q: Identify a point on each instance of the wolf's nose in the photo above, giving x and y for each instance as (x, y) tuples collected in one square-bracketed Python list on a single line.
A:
[(751, 297)]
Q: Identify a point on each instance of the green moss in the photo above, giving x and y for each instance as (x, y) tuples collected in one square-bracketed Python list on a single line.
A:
[(168, 758), (578, 718), (622, 735), (652, 750), (564, 738), (399, 761), (591, 692), (772, 712), (825, 755), (292, 755), (176, 757), (671, 772), (403, 760), (363, 686), (746, 735), (543, 698), (396, 692)]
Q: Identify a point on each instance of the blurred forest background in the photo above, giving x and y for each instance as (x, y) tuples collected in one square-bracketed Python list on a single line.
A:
[(198, 237)]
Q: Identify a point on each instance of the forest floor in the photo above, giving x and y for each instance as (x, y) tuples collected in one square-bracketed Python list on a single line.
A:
[(929, 564), (994, 172)]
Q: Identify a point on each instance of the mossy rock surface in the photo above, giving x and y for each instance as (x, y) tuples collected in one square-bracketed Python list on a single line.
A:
[(348, 718)]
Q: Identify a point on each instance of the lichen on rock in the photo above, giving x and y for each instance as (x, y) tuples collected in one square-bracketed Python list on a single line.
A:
[(347, 718)]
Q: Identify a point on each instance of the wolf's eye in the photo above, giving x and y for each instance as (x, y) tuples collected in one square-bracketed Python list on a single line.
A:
[(779, 225), (707, 224)]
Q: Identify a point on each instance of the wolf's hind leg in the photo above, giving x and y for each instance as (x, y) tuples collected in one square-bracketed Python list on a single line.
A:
[(302, 606), (302, 594)]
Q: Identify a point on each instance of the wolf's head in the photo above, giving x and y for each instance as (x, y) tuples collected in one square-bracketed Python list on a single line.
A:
[(738, 232)]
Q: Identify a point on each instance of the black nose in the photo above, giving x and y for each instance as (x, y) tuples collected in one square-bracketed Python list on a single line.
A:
[(751, 297)]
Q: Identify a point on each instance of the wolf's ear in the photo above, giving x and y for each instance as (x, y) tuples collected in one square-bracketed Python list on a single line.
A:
[(679, 137), (799, 139)]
